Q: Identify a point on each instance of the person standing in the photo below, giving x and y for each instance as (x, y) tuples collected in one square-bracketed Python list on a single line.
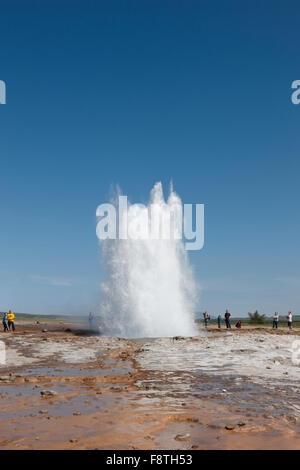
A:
[(227, 319), (275, 320), (290, 319), (11, 320), (91, 317), (219, 321), (5, 322), (206, 318)]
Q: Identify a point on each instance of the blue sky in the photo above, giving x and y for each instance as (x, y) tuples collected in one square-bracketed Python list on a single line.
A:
[(134, 92)]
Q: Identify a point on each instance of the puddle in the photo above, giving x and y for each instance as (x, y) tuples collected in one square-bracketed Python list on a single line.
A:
[(74, 372)]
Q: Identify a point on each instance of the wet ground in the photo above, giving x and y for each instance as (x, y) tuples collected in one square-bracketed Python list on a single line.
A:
[(66, 389)]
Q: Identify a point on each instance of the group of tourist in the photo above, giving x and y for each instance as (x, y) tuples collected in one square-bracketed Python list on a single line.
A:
[(227, 316), (238, 324), (8, 321), (276, 319)]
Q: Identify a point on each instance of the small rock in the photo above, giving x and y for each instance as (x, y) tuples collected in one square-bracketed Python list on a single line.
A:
[(44, 330), (182, 437), (229, 427), (43, 412), (123, 355), (76, 413), (48, 393), (292, 419), (73, 440)]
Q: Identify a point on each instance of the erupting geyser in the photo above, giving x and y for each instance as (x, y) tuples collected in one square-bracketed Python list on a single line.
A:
[(150, 290)]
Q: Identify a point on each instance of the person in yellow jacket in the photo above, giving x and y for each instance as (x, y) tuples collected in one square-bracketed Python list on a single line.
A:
[(11, 320)]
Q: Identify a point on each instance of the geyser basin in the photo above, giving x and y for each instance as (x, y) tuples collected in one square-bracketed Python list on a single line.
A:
[(150, 290)]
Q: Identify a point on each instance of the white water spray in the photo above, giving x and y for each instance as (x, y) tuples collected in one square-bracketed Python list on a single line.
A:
[(150, 290)]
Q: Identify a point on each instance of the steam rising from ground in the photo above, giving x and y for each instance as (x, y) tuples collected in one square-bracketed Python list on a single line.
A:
[(150, 290)]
